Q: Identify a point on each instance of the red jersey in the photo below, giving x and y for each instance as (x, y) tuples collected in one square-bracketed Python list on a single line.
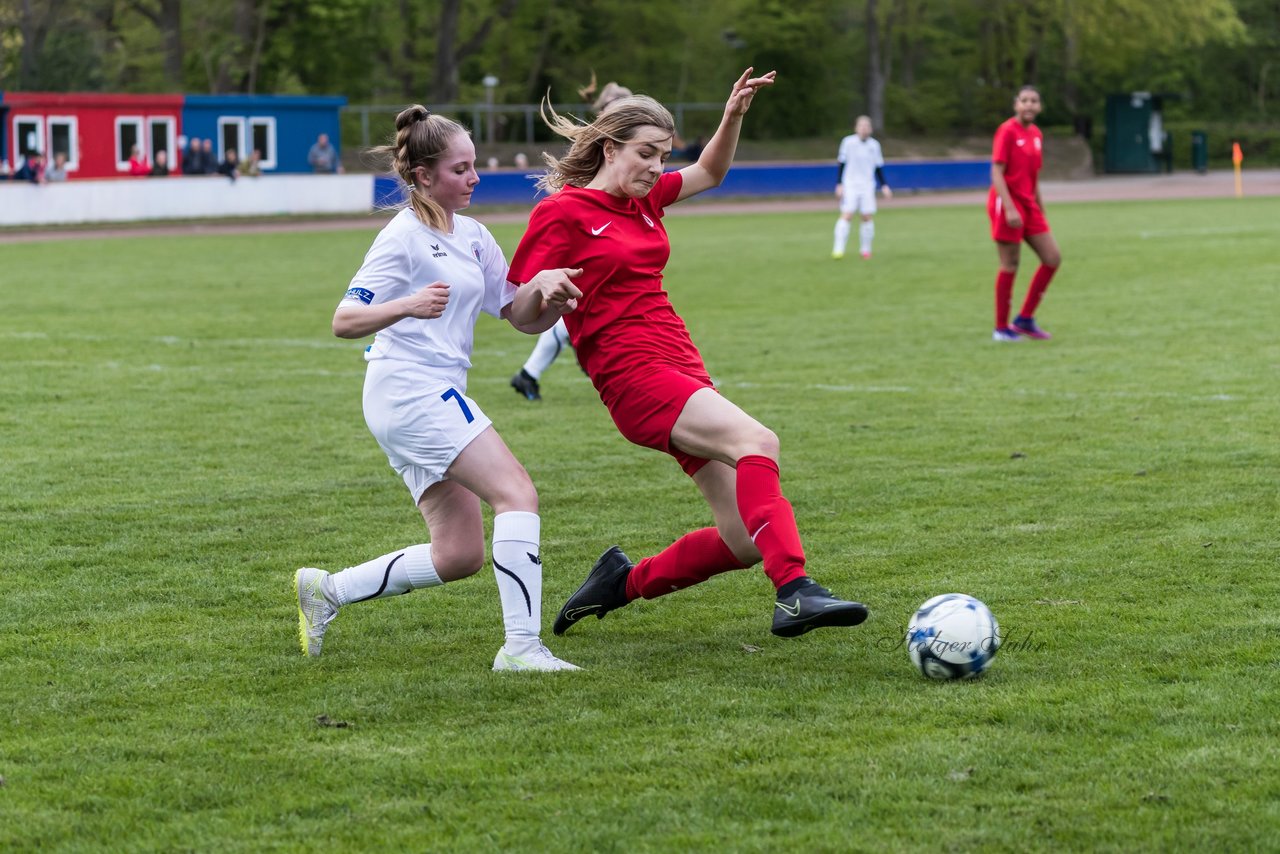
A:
[(624, 320), (1019, 149)]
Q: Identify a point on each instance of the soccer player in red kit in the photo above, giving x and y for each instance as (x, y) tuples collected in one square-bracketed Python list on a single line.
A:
[(605, 213), (1017, 214)]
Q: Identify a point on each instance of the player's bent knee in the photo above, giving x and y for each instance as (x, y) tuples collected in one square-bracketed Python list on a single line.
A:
[(457, 562)]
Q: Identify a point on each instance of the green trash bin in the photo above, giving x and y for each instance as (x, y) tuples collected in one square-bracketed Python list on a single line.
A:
[(1200, 151)]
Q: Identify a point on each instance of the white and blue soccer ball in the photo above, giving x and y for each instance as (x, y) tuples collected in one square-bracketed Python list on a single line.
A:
[(953, 636)]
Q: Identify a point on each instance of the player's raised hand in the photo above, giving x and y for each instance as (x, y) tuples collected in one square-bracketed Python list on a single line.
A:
[(428, 303), (557, 288), (744, 89)]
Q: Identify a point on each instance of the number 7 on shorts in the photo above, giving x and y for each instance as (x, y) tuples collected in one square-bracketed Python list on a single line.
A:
[(462, 404)]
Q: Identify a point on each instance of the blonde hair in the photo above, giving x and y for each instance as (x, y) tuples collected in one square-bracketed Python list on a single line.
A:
[(619, 122), (422, 138)]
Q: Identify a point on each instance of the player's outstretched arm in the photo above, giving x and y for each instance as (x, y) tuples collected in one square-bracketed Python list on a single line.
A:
[(716, 158)]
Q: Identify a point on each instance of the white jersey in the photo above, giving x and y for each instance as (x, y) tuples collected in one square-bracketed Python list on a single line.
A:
[(861, 158), (407, 256)]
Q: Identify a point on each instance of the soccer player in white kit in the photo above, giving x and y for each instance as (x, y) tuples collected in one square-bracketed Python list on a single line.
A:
[(423, 283), (861, 170)]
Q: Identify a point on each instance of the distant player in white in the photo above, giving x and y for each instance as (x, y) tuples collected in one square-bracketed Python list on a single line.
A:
[(861, 171), (421, 288)]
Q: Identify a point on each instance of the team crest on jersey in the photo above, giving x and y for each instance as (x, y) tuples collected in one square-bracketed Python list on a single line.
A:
[(365, 296), (646, 219), (1037, 143), (475, 249)]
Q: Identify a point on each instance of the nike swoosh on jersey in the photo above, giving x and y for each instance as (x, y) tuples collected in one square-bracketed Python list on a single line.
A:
[(596, 231)]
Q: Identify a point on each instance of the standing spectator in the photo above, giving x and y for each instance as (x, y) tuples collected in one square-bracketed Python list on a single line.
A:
[(32, 169), (138, 166), (1017, 214), (323, 157), (160, 169), (230, 165), (208, 160), (252, 167), (193, 160), (57, 171), (861, 172), (604, 215)]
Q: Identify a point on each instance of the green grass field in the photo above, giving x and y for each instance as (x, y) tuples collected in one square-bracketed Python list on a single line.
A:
[(180, 431)]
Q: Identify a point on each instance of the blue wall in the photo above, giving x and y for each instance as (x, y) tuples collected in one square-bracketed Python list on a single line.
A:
[(747, 179), (299, 120)]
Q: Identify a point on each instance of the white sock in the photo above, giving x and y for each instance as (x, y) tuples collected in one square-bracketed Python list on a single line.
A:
[(518, 569), (549, 345), (866, 231), (842, 236), (389, 575)]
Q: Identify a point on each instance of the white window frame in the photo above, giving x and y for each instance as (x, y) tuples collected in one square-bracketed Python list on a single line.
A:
[(223, 121), (139, 125), (38, 121), (268, 160), (169, 137), (73, 134)]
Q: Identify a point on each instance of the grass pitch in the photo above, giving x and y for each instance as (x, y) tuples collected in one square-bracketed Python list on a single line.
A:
[(180, 432)]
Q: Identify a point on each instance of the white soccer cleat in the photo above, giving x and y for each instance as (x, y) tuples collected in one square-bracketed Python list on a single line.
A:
[(538, 658), (314, 611)]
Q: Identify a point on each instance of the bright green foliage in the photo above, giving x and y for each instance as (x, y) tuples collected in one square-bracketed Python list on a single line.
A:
[(180, 431)]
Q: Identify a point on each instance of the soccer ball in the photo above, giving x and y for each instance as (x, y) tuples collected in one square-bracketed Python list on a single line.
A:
[(952, 636)]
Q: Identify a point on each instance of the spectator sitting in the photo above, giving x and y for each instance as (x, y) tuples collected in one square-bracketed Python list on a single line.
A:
[(160, 169), (57, 171), (231, 165), (323, 157), (208, 160), (252, 167), (32, 169), (137, 163), (522, 160)]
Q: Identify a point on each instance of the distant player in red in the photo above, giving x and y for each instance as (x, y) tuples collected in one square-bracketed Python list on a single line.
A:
[(1017, 214), (605, 213)]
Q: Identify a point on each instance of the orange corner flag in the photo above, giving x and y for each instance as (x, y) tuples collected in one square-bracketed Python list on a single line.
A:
[(1237, 156)]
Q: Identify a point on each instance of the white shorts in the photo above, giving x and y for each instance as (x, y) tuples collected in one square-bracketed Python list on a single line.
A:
[(421, 417), (858, 200)]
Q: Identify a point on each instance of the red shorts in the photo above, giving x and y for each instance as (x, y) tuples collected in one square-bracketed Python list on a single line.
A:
[(1033, 221), (645, 407)]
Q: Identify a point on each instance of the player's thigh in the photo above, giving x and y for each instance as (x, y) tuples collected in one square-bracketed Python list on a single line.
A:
[(866, 198), (487, 468), (718, 484), (1046, 248), (1010, 254), (713, 427), (453, 517)]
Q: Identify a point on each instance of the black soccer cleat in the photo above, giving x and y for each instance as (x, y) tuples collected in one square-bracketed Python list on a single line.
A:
[(604, 590), (813, 607), (526, 386)]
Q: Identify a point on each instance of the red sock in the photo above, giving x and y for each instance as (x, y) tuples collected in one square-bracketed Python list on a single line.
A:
[(1039, 284), (769, 519), (690, 560), (1004, 293)]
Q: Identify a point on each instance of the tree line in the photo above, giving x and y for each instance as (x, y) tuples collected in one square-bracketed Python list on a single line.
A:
[(916, 66)]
